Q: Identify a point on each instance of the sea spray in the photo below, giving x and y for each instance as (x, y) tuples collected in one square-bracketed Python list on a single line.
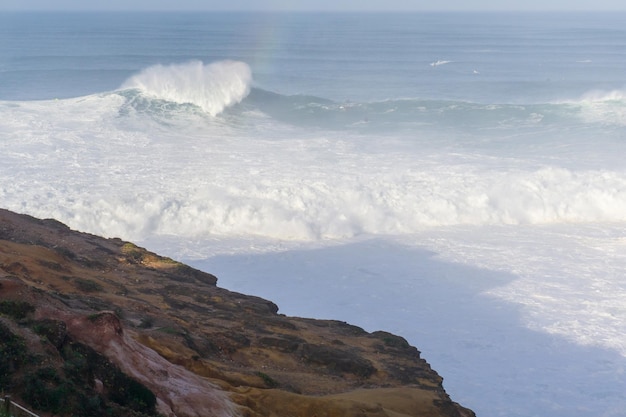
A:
[(606, 107), (478, 205), (213, 87)]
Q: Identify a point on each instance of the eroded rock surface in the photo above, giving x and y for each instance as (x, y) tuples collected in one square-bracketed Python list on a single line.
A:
[(203, 350)]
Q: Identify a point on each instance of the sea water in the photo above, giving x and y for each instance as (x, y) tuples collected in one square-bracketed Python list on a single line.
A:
[(457, 179)]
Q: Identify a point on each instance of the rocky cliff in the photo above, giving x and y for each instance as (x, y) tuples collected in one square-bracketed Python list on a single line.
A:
[(96, 326)]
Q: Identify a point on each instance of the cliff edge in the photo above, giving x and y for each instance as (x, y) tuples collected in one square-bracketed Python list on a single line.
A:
[(103, 327)]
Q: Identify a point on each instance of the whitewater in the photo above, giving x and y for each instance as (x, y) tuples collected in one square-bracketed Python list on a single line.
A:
[(457, 179)]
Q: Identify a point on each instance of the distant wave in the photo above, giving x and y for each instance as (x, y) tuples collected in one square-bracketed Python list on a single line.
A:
[(606, 107), (166, 95), (439, 62), (213, 87), (599, 95), (400, 114)]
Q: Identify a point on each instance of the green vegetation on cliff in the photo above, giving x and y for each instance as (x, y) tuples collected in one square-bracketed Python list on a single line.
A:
[(71, 379)]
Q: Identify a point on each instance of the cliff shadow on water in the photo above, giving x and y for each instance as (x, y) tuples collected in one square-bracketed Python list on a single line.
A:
[(490, 360)]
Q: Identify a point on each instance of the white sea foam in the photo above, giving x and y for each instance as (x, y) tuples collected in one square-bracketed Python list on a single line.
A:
[(483, 219), (213, 87), (604, 106), (439, 62), (233, 185)]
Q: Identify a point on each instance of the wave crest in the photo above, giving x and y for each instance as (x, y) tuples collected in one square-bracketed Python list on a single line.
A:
[(607, 107), (212, 87), (603, 96)]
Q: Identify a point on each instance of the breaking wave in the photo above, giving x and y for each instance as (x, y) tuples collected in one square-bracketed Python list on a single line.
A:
[(345, 208), (218, 86), (245, 174), (605, 107), (212, 87)]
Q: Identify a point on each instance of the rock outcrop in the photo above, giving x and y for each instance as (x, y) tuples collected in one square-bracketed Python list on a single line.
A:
[(198, 349)]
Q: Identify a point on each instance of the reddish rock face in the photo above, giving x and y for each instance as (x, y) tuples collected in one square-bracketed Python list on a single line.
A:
[(200, 349)]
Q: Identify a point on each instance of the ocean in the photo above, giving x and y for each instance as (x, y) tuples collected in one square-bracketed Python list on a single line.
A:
[(457, 179)]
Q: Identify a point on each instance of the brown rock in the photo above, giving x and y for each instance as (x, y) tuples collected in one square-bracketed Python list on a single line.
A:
[(203, 350)]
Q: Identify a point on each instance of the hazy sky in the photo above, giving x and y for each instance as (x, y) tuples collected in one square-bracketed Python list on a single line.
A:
[(329, 5)]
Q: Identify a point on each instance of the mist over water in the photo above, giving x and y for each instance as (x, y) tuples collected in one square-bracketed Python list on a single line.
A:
[(477, 205)]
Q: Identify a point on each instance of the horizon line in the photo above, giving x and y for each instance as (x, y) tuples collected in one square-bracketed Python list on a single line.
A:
[(195, 10)]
